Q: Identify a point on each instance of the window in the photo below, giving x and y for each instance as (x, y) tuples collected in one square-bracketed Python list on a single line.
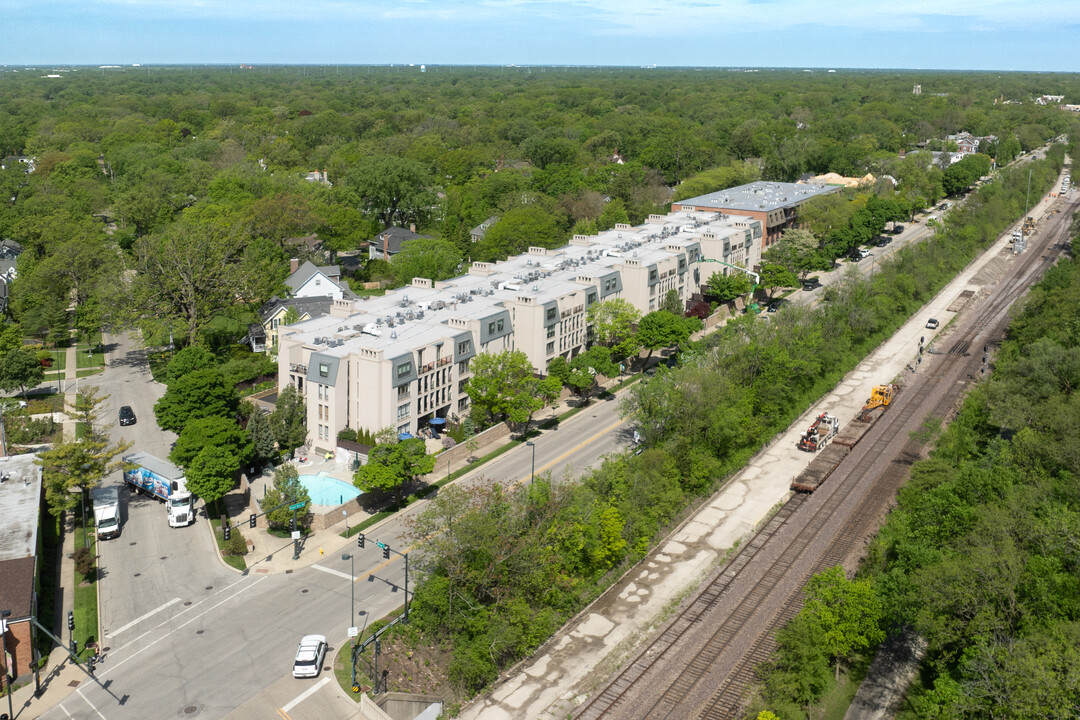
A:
[(320, 392), (551, 331), (592, 298), (403, 428), (463, 347), (652, 276), (402, 392), (324, 369), (682, 264), (491, 328), (551, 313), (404, 369), (463, 367), (500, 326), (550, 348), (318, 281), (274, 324), (403, 411)]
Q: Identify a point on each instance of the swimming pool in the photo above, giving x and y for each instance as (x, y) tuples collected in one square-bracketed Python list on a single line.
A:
[(328, 490)]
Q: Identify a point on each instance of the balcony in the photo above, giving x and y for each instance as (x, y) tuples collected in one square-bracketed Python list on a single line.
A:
[(298, 368)]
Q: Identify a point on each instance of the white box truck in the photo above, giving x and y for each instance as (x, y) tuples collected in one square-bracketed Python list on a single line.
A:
[(164, 481), (106, 511)]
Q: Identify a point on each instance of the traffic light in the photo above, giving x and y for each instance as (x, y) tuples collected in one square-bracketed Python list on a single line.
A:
[(360, 540), (227, 531), (386, 552), (251, 521), (71, 621), (292, 524)]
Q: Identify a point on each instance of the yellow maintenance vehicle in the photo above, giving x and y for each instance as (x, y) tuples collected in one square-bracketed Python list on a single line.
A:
[(881, 396)]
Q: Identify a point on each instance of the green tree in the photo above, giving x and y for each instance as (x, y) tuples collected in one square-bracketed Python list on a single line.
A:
[(580, 373), (88, 404), (392, 466), (660, 329), (288, 421), (71, 465), (614, 212), (517, 231), (285, 491), (212, 473), (20, 370), (798, 251), (426, 258), (393, 189), (504, 388), (264, 447), (672, 302), (849, 612), (198, 394), (187, 273), (726, 288), (193, 357), (212, 431), (612, 323), (775, 276)]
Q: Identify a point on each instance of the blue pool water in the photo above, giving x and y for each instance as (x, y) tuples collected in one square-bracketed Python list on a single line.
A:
[(327, 490)]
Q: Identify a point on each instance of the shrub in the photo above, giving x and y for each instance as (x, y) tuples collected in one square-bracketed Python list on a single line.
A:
[(448, 442), (236, 544), (84, 563)]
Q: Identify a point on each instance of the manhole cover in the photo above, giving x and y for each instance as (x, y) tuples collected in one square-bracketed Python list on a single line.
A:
[(75, 683), (208, 587), (187, 603), (288, 572), (199, 632), (107, 649), (303, 591), (190, 711)]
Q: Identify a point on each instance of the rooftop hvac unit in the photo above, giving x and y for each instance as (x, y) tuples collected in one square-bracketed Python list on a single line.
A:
[(393, 334), (419, 314), (535, 288), (528, 262)]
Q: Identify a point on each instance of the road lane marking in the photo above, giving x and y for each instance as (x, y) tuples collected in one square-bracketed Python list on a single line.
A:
[(305, 695), (177, 616), (114, 666), (61, 706), (283, 716), (572, 450), (138, 620), (90, 704), (338, 573)]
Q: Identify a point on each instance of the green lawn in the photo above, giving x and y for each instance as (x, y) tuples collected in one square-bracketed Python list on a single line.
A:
[(59, 358), (88, 373), (236, 561), (85, 599), (86, 359)]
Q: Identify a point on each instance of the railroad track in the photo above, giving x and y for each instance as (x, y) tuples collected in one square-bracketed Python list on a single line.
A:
[(807, 535)]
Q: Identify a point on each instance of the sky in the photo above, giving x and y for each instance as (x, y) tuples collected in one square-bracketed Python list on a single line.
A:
[(920, 34)]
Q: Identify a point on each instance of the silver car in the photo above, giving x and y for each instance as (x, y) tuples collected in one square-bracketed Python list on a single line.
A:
[(309, 656)]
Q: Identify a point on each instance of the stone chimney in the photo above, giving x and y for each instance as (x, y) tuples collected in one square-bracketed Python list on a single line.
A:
[(386, 246), (294, 265)]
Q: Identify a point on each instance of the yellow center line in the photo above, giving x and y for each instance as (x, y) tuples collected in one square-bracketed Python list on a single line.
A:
[(386, 563)]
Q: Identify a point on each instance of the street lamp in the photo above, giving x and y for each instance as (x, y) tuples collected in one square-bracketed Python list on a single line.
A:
[(532, 473), (4, 615)]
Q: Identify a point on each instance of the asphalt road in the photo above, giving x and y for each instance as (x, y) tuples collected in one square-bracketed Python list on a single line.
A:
[(188, 637)]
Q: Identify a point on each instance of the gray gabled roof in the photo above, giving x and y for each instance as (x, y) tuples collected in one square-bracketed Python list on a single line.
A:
[(392, 238), (313, 306), (479, 230), (305, 272)]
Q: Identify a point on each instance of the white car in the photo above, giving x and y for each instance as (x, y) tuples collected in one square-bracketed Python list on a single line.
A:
[(309, 656)]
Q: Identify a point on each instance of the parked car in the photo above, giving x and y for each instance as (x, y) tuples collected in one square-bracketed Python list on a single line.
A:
[(932, 324), (127, 415), (897, 229), (811, 283), (309, 656), (774, 306)]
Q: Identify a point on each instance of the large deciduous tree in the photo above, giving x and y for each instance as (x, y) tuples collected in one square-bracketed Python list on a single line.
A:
[(289, 420), (726, 288), (187, 273), (612, 323), (660, 329), (391, 188), (20, 370), (774, 276), (516, 231), (198, 394), (849, 612), (212, 473), (391, 466), (216, 431), (504, 388), (426, 258), (580, 373)]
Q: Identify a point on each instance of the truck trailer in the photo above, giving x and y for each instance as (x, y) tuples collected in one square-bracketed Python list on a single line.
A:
[(106, 511), (164, 481)]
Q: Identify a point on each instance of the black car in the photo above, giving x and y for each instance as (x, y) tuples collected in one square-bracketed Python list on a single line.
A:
[(127, 415), (811, 283), (897, 229)]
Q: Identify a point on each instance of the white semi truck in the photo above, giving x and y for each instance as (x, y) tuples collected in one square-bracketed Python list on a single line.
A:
[(164, 481)]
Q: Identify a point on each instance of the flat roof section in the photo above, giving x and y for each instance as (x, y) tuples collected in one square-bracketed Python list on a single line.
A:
[(20, 504), (760, 196)]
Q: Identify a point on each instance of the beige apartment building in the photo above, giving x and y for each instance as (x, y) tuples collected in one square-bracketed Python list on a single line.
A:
[(404, 358)]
